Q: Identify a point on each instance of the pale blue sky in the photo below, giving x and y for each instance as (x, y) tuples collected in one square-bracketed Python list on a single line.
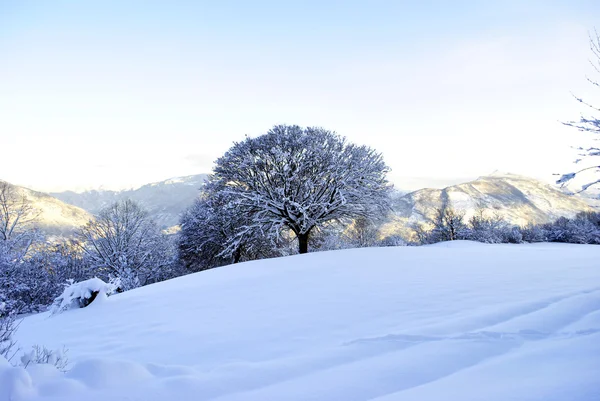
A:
[(120, 93)]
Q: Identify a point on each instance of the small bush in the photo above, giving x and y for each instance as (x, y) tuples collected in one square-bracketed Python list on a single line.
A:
[(80, 295), (42, 355)]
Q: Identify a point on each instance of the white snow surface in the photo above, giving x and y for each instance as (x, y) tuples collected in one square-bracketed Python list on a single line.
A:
[(454, 321)]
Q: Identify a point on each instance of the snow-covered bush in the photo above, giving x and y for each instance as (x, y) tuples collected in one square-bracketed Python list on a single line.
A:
[(533, 233), (42, 355), (489, 228), (393, 240), (80, 295), (513, 235), (583, 229)]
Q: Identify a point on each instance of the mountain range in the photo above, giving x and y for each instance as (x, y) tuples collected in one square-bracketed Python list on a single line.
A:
[(519, 200), (164, 200), (52, 216)]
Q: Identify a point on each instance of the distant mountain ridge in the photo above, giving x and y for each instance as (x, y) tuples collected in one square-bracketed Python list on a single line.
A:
[(517, 199), (164, 200), (53, 216)]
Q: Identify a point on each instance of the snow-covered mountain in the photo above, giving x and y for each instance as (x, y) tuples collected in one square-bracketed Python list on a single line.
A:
[(164, 200), (519, 200), (53, 216)]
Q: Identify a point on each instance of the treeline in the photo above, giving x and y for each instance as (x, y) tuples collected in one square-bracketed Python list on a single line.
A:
[(449, 224), (121, 245)]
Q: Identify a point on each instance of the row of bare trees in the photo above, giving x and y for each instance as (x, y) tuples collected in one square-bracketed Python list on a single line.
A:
[(450, 224), (122, 243)]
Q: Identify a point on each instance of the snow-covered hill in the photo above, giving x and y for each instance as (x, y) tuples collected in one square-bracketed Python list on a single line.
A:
[(164, 200), (52, 215), (452, 321)]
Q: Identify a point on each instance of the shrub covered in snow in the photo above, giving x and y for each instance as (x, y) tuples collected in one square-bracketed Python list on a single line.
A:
[(583, 229), (41, 355), (80, 295)]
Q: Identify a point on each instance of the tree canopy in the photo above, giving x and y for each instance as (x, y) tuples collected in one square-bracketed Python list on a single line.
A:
[(297, 179)]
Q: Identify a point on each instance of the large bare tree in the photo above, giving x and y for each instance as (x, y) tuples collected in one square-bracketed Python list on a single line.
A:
[(296, 179)]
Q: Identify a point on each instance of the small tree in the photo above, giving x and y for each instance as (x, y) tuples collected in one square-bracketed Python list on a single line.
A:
[(297, 179), (17, 216), (123, 242), (362, 233), (448, 224), (589, 124), (488, 228), (420, 232)]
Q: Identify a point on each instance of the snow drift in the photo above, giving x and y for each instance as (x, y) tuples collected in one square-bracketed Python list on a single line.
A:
[(458, 321)]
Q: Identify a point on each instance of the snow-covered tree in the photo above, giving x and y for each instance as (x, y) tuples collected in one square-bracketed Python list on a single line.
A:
[(583, 229), (589, 124), (204, 232), (123, 242), (534, 233), (490, 228), (17, 217), (448, 224), (296, 179), (23, 282), (420, 232), (362, 233), (206, 228)]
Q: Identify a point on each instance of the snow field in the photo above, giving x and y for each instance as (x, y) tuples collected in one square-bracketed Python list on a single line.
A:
[(459, 321)]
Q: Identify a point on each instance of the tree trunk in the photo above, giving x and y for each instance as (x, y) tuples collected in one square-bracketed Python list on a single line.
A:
[(237, 255), (303, 243)]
